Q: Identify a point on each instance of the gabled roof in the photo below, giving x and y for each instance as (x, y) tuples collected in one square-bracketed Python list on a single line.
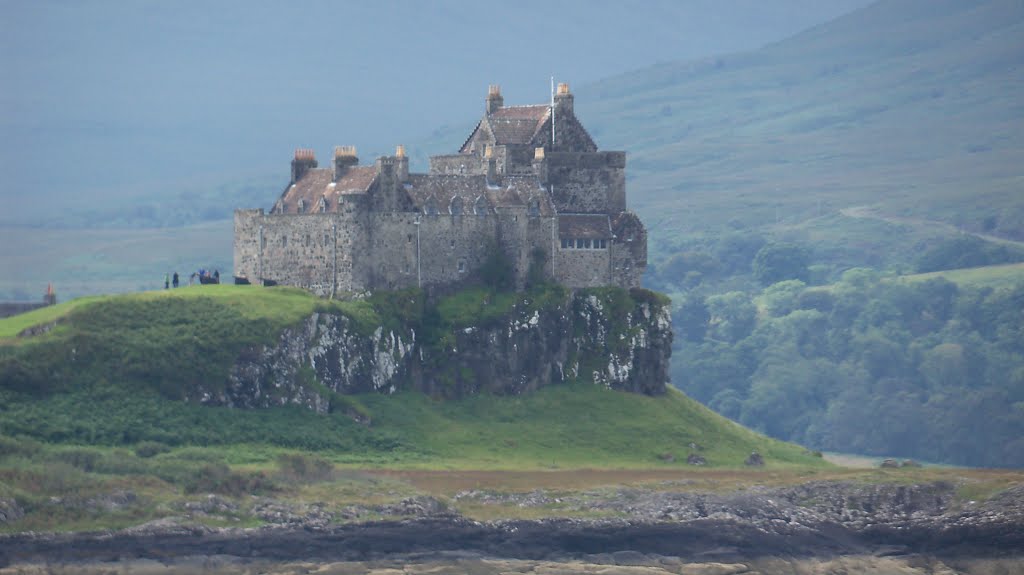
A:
[(316, 184), (513, 125)]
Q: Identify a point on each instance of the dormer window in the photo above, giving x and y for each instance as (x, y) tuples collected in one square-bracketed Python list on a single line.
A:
[(300, 205), (322, 205)]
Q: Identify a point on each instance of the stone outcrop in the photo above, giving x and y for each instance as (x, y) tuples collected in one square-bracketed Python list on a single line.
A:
[(814, 528), (606, 337)]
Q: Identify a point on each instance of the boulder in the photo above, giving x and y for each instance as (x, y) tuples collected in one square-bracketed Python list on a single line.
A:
[(754, 460)]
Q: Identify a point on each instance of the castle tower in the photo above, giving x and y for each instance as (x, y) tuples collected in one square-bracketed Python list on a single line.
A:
[(344, 158), (494, 99), (304, 161)]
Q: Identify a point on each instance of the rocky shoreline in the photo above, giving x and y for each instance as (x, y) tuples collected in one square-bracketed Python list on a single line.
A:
[(820, 520)]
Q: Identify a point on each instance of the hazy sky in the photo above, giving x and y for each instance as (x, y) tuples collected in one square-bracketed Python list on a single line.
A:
[(128, 99)]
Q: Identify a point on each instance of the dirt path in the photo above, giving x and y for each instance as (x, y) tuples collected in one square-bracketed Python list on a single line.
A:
[(872, 213)]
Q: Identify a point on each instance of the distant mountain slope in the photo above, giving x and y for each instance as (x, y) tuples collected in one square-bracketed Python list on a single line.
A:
[(915, 105)]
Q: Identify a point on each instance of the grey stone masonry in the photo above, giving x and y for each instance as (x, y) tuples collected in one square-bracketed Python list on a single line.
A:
[(515, 185)]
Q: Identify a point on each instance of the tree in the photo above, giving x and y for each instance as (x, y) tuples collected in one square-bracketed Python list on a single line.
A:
[(691, 319), (781, 261), (733, 316)]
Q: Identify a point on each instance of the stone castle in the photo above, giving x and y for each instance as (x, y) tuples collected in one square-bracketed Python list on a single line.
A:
[(529, 181)]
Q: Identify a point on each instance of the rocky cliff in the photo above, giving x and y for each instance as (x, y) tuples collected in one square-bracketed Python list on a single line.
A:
[(616, 338)]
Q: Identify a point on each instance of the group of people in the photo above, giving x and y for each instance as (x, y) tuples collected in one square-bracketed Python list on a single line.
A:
[(202, 276)]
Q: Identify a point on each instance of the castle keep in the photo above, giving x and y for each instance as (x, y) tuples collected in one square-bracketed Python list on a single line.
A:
[(528, 180)]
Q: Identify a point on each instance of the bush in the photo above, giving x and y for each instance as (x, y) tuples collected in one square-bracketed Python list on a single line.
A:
[(19, 447), (219, 478), (146, 449), (303, 468)]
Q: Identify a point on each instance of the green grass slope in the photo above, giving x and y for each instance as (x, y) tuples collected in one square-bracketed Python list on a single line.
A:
[(164, 340)]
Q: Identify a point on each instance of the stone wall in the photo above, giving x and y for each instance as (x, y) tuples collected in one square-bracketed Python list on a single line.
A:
[(7, 309), (587, 182)]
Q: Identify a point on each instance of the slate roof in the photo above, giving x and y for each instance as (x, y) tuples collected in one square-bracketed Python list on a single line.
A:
[(517, 124), (586, 226), (316, 183)]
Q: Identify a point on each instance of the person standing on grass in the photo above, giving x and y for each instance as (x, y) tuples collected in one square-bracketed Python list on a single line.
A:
[(174, 280), (167, 281)]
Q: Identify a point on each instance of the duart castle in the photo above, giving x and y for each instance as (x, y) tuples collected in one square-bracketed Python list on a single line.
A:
[(529, 181)]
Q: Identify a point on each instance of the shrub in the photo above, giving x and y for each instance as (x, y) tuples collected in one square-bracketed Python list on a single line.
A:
[(219, 478), (19, 447), (303, 468), (148, 449)]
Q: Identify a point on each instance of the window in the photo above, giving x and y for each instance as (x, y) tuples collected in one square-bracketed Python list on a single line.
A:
[(327, 239), (586, 244), (604, 244), (455, 207), (430, 207), (579, 244), (408, 239), (451, 243), (284, 241), (533, 208), (565, 243), (323, 205), (307, 240), (301, 205), (480, 206), (462, 266)]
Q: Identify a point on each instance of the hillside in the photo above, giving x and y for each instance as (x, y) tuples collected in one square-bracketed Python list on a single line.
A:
[(912, 106), (113, 370)]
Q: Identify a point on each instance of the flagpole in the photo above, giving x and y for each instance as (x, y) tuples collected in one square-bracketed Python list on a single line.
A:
[(552, 113)]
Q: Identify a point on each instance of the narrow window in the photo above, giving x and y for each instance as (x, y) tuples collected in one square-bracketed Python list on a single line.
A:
[(462, 266), (301, 206), (408, 239), (586, 244), (579, 244), (284, 241), (451, 243)]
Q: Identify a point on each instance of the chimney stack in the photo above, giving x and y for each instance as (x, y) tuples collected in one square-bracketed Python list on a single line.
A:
[(492, 165), (305, 160), (540, 165), (344, 158), (403, 163), (563, 99), (494, 99)]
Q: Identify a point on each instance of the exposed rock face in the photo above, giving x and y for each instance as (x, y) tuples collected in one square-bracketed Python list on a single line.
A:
[(622, 343)]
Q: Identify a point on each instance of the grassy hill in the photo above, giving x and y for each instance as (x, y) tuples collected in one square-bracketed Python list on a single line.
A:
[(163, 340), (911, 105)]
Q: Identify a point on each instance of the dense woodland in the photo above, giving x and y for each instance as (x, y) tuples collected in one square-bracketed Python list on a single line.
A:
[(914, 366)]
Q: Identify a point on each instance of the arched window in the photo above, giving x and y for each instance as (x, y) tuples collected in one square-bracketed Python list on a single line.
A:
[(480, 206), (322, 206), (455, 207), (430, 206)]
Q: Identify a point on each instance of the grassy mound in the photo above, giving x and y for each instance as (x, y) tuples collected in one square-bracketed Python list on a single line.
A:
[(112, 370)]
